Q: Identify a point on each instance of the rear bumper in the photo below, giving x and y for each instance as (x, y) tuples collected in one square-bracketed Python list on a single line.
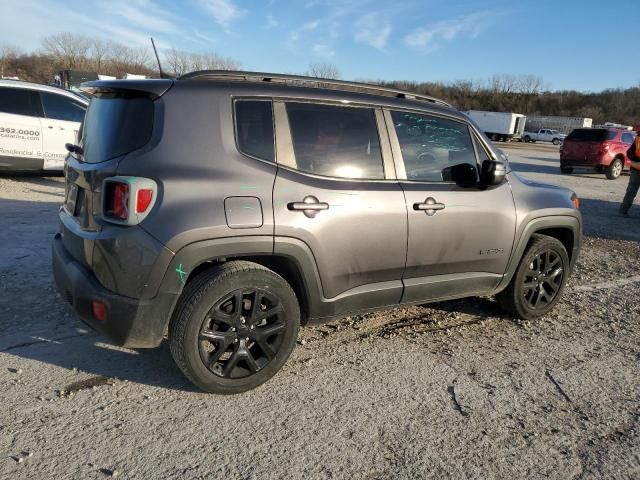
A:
[(588, 161), (134, 323)]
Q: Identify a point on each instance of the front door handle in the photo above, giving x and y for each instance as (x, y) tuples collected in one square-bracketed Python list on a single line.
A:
[(429, 206), (309, 205)]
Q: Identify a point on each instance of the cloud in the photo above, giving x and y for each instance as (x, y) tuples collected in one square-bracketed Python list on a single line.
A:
[(224, 12), (324, 51), (372, 31), (272, 22), (143, 14), (470, 26)]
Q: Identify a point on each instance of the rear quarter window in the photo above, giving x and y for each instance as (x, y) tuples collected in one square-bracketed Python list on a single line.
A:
[(627, 138), (116, 125), (254, 128)]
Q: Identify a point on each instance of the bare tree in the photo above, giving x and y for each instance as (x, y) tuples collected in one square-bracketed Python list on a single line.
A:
[(180, 62), (8, 53), (324, 70), (69, 49), (177, 61), (100, 50)]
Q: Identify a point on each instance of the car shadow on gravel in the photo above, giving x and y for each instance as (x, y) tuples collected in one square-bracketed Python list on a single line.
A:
[(89, 353)]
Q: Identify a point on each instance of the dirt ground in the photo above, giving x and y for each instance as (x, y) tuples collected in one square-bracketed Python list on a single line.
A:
[(449, 390)]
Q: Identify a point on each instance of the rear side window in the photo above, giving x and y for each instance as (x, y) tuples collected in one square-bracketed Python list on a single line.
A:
[(254, 128), (592, 135), (19, 101), (115, 125), (628, 138), (431, 145), (335, 141), (60, 107)]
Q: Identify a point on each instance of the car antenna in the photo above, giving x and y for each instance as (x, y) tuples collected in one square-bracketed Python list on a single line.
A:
[(162, 74)]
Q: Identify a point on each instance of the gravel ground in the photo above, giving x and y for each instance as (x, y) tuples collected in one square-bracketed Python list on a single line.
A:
[(449, 390)]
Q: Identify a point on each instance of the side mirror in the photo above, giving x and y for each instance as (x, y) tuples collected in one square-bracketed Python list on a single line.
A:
[(492, 173), (463, 174)]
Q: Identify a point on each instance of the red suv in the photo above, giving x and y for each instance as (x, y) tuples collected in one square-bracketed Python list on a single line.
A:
[(604, 149)]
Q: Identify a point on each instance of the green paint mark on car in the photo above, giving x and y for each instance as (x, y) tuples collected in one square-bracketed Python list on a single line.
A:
[(181, 272)]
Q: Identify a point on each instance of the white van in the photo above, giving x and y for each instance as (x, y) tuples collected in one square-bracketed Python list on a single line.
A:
[(36, 121)]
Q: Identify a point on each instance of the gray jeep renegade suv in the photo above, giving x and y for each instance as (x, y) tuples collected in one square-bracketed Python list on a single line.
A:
[(225, 209)]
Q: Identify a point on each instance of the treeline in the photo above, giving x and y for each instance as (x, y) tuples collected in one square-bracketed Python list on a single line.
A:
[(527, 94), (67, 51)]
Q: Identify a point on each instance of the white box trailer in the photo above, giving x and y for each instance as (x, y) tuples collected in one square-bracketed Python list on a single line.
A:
[(499, 125), (563, 124)]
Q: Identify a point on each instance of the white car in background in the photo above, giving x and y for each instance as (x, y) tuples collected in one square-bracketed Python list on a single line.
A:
[(36, 121)]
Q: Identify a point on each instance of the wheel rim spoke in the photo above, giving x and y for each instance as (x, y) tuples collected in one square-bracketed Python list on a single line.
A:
[(231, 362), (264, 346)]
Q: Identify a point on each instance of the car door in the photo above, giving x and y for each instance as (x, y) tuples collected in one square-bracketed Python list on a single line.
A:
[(336, 192), (546, 136), (460, 238), (20, 129), (62, 118)]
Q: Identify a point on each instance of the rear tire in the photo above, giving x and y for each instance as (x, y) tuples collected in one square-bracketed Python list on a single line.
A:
[(539, 280), (527, 139), (615, 169), (234, 327), (566, 170)]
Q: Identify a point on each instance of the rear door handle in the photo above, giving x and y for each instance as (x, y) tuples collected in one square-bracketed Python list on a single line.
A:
[(429, 206), (309, 205)]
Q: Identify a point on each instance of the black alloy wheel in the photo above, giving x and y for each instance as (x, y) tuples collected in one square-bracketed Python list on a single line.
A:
[(543, 280), (234, 327), (241, 333), (539, 279)]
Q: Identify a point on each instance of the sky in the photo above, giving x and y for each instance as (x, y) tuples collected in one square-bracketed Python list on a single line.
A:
[(586, 45)]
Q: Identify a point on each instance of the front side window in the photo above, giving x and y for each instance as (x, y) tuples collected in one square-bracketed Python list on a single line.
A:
[(254, 128), (60, 107), (335, 141), (18, 101), (432, 145)]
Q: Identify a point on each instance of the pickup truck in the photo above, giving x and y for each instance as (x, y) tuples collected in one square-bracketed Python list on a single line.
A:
[(544, 135)]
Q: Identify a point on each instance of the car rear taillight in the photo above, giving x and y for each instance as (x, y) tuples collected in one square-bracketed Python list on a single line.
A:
[(117, 205), (143, 199), (128, 200), (99, 310)]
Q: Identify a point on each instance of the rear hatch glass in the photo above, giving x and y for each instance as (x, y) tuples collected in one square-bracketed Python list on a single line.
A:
[(115, 125), (591, 135)]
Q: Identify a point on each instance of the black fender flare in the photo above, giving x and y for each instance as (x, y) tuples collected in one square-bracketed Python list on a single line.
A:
[(536, 225)]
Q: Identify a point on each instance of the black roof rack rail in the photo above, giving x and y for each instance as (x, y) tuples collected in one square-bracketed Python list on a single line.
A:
[(302, 81)]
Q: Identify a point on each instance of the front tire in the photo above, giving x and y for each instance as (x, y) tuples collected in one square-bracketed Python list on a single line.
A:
[(566, 170), (234, 327), (539, 280), (527, 139), (615, 169), (555, 141)]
